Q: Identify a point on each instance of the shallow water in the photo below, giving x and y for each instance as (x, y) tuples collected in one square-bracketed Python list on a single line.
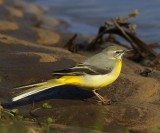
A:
[(85, 16)]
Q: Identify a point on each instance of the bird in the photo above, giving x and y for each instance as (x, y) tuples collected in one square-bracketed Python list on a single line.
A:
[(94, 73)]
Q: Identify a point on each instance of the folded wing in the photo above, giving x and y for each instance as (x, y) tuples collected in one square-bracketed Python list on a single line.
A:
[(82, 69)]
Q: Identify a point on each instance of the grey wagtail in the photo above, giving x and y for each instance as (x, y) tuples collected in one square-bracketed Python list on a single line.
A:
[(94, 73)]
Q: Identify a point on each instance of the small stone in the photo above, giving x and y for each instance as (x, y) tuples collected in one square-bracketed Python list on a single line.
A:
[(6, 25), (47, 22), (29, 8), (14, 12), (1, 2), (46, 37)]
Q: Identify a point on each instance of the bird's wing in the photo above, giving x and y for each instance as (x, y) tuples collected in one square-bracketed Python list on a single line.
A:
[(82, 69)]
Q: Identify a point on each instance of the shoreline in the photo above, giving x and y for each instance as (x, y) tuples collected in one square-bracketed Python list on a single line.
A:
[(29, 53)]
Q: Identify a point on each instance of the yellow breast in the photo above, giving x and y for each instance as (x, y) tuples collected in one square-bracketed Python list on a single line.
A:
[(99, 81), (93, 82)]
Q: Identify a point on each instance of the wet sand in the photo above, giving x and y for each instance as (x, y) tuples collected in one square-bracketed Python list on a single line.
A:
[(29, 55)]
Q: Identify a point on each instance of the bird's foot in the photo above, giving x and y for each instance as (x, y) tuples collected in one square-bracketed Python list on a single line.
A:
[(105, 102), (102, 99)]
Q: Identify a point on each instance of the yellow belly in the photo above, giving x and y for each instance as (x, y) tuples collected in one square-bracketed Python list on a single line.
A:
[(93, 82)]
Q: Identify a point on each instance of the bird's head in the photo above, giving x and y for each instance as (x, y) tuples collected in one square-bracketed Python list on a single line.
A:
[(114, 52)]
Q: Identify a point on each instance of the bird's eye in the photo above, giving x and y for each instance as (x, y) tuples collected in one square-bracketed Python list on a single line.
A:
[(117, 52)]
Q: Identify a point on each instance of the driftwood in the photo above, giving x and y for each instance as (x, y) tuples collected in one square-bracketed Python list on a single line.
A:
[(71, 45), (120, 26)]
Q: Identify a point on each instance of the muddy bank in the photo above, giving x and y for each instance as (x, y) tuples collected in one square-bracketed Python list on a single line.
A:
[(26, 57)]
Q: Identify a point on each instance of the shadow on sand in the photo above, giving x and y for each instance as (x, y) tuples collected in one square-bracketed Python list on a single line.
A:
[(61, 92)]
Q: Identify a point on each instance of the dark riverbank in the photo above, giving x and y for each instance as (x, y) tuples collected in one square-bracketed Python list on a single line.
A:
[(30, 52)]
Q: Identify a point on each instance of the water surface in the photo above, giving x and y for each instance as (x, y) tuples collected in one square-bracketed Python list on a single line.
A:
[(85, 16)]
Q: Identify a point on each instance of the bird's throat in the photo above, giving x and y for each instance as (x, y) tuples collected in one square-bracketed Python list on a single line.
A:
[(117, 69)]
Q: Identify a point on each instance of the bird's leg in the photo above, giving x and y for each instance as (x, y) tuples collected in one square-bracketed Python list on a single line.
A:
[(102, 99)]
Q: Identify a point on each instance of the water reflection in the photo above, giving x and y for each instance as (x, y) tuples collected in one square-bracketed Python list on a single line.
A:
[(85, 16)]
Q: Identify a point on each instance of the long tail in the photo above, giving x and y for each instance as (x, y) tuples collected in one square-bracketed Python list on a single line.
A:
[(35, 88)]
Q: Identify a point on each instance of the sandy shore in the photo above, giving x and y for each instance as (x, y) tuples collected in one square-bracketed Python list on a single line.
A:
[(29, 52)]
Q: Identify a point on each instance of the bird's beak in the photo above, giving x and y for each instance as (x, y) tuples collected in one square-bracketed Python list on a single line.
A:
[(127, 51)]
